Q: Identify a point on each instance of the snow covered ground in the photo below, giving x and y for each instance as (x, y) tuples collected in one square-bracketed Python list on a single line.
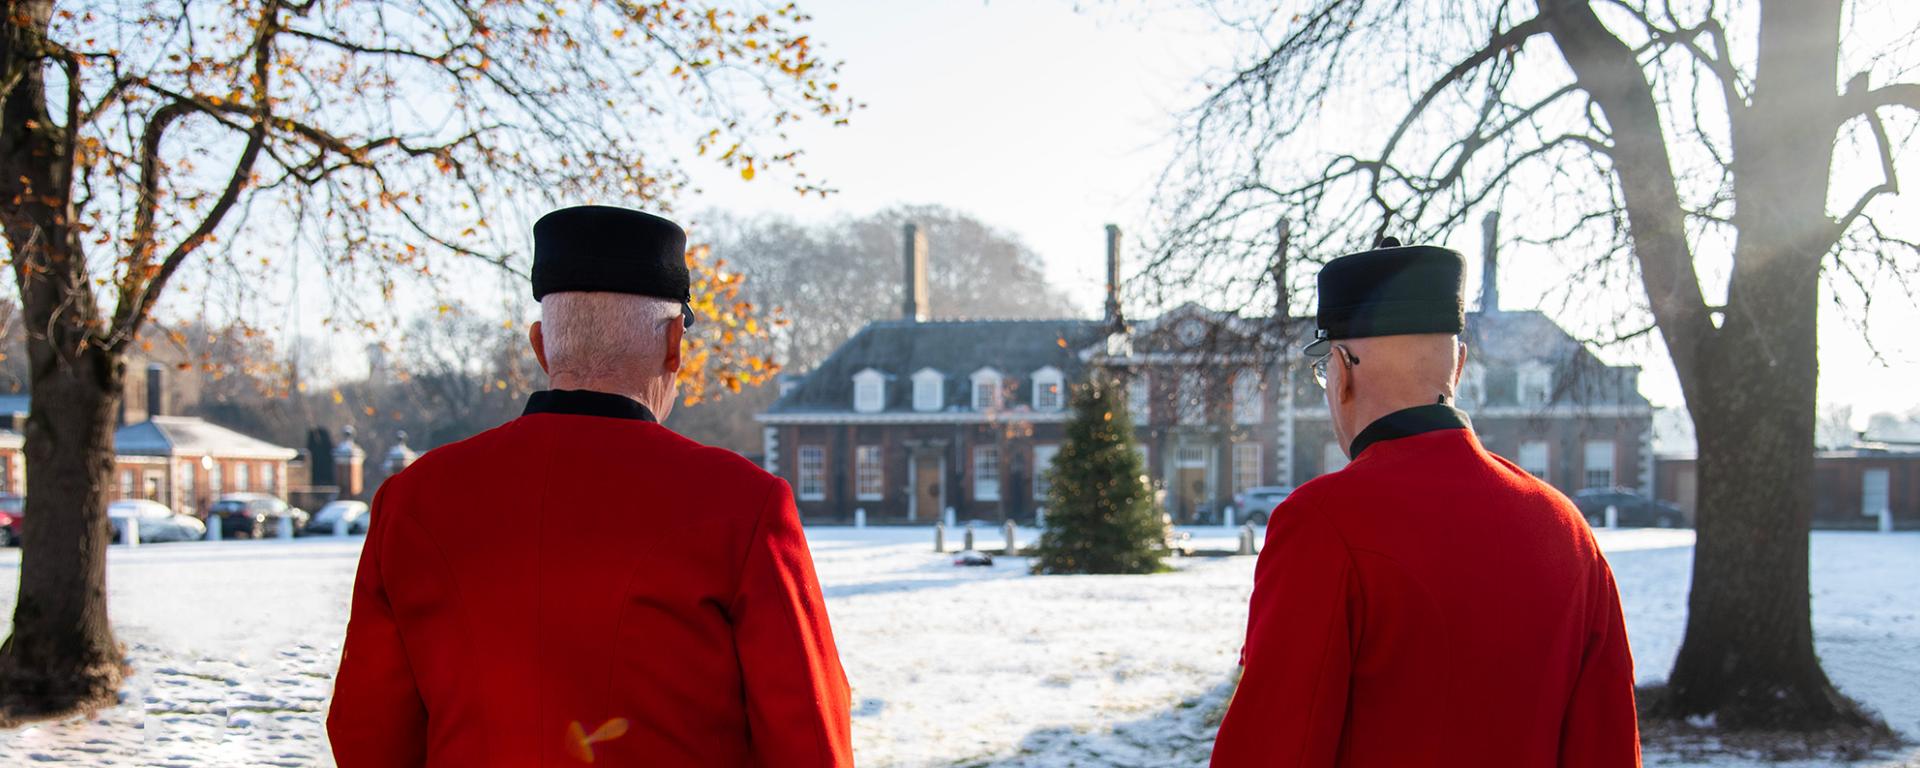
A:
[(234, 644)]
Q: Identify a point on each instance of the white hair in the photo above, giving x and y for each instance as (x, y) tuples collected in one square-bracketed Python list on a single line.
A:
[(592, 335)]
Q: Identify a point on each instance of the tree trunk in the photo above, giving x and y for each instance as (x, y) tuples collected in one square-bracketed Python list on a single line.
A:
[(1748, 658), (61, 656)]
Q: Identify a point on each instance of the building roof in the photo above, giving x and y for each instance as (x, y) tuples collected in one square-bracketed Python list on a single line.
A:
[(1501, 343), (191, 436), (956, 348), (15, 403)]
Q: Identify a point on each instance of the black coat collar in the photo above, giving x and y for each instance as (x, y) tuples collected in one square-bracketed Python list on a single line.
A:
[(582, 402), (1408, 422)]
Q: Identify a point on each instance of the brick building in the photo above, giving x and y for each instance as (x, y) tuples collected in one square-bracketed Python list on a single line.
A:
[(912, 416), (183, 462), (1850, 486)]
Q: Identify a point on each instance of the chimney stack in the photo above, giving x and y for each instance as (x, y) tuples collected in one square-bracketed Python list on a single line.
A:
[(1113, 316), (1490, 263), (1282, 301), (156, 390), (915, 250)]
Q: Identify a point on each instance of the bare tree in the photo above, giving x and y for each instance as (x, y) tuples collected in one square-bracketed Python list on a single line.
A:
[(829, 280), (394, 139), (1689, 147)]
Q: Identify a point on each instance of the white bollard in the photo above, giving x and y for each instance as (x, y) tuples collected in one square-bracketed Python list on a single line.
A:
[(969, 546), (860, 518), (939, 537), (950, 521), (340, 527), (285, 528), (213, 527), (1613, 516), (1246, 540), (1040, 517), (1886, 520), (1226, 518), (131, 533), (1013, 539)]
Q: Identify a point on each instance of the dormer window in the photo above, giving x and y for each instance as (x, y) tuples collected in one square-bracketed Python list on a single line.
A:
[(986, 389), (929, 388), (1048, 386), (869, 391), (1535, 384)]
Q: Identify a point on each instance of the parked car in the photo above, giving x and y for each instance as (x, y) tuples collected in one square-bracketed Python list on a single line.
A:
[(354, 512), (1635, 510), (157, 522), (12, 514), (254, 515), (1254, 504)]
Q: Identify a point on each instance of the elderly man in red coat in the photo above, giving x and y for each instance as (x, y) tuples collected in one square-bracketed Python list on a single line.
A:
[(582, 585), (1431, 604)]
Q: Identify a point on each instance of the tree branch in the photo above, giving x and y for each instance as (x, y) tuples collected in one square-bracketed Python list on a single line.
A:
[(138, 296), (1610, 73), (1890, 184)]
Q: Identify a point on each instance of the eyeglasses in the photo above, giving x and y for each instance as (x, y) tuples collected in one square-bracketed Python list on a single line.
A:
[(1320, 364)]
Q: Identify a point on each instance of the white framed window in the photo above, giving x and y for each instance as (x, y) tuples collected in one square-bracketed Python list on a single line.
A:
[(1246, 466), (1248, 408), (1473, 385), (1193, 399), (213, 479), (1534, 384), (1190, 456), (813, 473), (869, 476), (1874, 494), (986, 473), (1534, 457), (1048, 389), (1043, 456), (1599, 473), (126, 483), (869, 391), (929, 387), (1333, 458), (986, 389), (242, 476), (270, 477), (1140, 398)]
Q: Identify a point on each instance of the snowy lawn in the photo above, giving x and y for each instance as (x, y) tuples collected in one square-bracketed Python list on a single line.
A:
[(234, 644)]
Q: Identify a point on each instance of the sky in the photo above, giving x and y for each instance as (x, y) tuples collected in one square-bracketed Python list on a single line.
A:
[(1050, 120)]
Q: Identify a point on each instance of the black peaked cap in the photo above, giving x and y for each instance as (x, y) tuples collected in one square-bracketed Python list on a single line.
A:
[(608, 249), (1391, 291)]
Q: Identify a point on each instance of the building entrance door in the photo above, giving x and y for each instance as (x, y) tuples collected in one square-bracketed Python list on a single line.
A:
[(1193, 490), (928, 496)]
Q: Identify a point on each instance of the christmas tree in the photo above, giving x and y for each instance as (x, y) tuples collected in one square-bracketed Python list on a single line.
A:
[(1100, 515)]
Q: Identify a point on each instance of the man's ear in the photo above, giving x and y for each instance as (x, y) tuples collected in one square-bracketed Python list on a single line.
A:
[(676, 330), (1347, 367), (1459, 365), (539, 346)]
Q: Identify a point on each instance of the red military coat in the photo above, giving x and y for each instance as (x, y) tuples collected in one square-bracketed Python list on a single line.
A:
[(1431, 605), (579, 586)]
